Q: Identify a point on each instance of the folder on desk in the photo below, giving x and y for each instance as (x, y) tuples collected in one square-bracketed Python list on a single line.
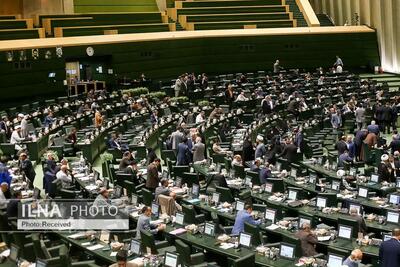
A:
[(178, 231), (194, 201)]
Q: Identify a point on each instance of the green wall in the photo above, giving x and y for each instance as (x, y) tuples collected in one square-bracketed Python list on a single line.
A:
[(84, 6), (167, 59)]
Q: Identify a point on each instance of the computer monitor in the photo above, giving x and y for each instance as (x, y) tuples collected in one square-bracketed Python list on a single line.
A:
[(353, 171), (331, 199), (195, 190), (170, 259), (96, 175), (215, 197), (106, 183), (36, 193), (363, 192), (303, 220), (270, 215), (179, 218), (40, 263), (335, 185), (321, 202), (293, 172), (278, 166), (209, 229), (135, 247), (278, 184), (345, 231), (165, 174), (392, 217), (356, 206), (117, 191), (312, 178), (394, 199), (134, 199), (247, 181), (292, 194), (374, 178), (14, 251), (287, 251), (245, 240), (334, 260), (268, 187), (105, 236), (155, 209), (239, 205), (178, 182), (398, 183), (386, 236)]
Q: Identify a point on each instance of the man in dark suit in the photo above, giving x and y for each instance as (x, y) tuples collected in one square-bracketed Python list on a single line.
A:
[(358, 141), (373, 128), (389, 251), (341, 145), (289, 151), (379, 116), (387, 117), (308, 240), (27, 168), (152, 175)]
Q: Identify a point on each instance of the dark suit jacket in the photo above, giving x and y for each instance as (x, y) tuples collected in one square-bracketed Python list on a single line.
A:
[(152, 176), (27, 168), (308, 241), (289, 152), (341, 146), (389, 253)]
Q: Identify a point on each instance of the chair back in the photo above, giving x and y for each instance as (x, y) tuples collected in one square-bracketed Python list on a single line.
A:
[(147, 197), (184, 252), (148, 241)]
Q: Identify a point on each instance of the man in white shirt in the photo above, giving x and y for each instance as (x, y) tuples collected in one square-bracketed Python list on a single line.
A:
[(241, 97), (200, 117), (3, 199), (63, 176), (16, 137)]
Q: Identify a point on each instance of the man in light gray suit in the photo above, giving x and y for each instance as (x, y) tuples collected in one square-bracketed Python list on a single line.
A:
[(260, 149), (144, 223), (198, 150), (102, 199), (360, 117), (176, 138)]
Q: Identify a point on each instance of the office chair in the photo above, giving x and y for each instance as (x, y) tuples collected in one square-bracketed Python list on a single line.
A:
[(190, 215), (66, 261), (186, 256), (148, 242), (147, 196)]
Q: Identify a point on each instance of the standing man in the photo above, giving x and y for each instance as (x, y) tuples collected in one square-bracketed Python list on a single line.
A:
[(277, 67), (260, 148), (389, 251), (152, 175), (308, 240), (26, 167), (198, 150), (360, 116)]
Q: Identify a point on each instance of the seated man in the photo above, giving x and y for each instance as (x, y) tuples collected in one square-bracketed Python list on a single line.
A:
[(308, 240), (122, 260), (242, 217), (354, 259), (102, 200), (362, 227), (344, 157), (144, 223), (163, 189), (255, 167), (265, 173), (64, 177), (125, 161)]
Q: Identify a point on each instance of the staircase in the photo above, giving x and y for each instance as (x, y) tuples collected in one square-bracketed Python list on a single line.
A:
[(177, 24), (325, 20), (297, 14), (392, 80)]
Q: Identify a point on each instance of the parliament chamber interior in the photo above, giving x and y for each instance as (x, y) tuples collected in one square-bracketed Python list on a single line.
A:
[(230, 133)]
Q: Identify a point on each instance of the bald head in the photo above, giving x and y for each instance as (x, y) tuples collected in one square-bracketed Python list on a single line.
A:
[(64, 168), (356, 254), (306, 226)]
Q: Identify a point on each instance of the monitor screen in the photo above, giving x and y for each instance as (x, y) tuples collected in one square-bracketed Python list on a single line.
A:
[(247, 181), (352, 171), (287, 251), (117, 191), (178, 182), (335, 185), (303, 221), (278, 166), (362, 192), (245, 240), (165, 174), (292, 194), (179, 218), (313, 178), (293, 172), (106, 183), (195, 190), (14, 252), (40, 263), (319, 161), (394, 199), (270, 215), (398, 183), (268, 187), (387, 237), (355, 206), (374, 178), (239, 205), (334, 260), (392, 217), (171, 259), (134, 199), (135, 247), (209, 229), (105, 236), (345, 231), (321, 202), (154, 209), (215, 197)]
